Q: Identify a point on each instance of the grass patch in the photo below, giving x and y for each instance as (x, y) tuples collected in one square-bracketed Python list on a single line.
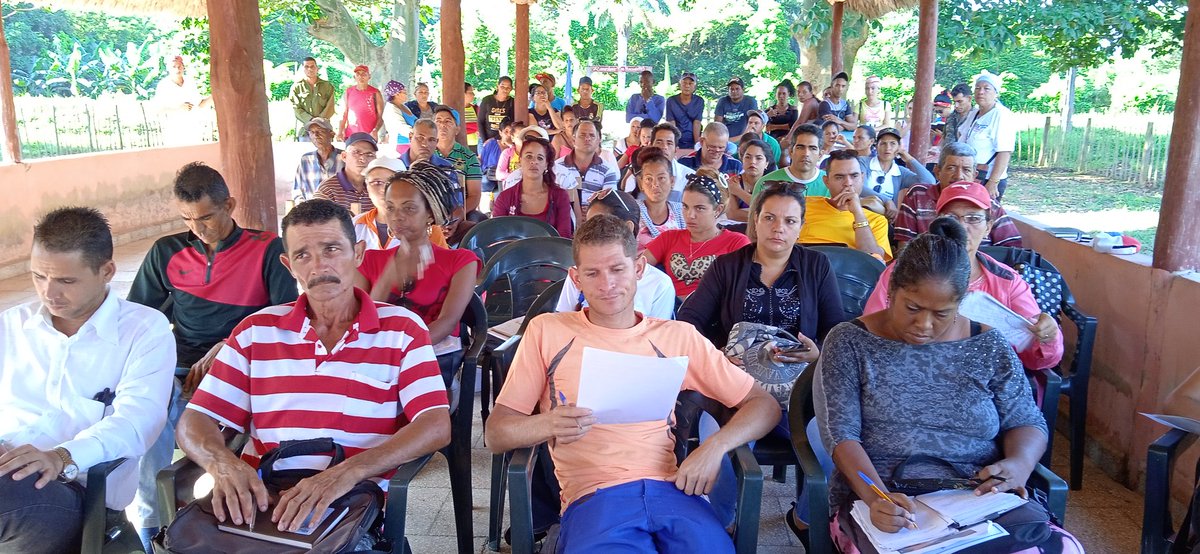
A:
[(1036, 190), (1146, 237)]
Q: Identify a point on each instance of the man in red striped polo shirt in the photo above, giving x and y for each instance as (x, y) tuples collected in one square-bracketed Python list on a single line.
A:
[(332, 364)]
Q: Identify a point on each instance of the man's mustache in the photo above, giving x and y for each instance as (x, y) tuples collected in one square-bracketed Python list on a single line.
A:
[(322, 279)]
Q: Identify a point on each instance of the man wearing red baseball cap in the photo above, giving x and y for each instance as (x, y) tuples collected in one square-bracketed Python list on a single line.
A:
[(922, 203), (364, 107)]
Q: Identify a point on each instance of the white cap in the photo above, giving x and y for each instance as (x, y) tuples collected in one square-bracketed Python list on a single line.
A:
[(389, 163), (991, 79), (520, 137)]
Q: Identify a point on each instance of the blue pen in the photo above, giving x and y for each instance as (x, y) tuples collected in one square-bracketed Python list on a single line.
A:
[(562, 398), (871, 484)]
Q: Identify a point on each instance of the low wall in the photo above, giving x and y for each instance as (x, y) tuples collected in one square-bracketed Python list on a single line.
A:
[(1146, 345), (132, 188)]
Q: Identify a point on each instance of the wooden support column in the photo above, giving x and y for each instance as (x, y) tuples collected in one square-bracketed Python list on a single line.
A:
[(454, 63), (240, 97), (835, 38), (923, 93), (521, 76), (9, 140), (1177, 243)]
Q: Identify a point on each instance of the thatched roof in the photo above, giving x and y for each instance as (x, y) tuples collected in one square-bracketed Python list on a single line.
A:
[(181, 8), (875, 9)]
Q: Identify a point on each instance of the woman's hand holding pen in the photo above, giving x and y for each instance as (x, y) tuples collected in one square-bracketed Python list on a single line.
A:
[(1007, 475)]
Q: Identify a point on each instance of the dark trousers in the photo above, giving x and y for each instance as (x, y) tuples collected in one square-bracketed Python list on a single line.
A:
[(47, 520), (982, 177)]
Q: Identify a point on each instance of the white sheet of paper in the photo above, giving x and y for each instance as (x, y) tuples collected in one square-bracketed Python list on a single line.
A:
[(627, 388), (984, 308), (1179, 422)]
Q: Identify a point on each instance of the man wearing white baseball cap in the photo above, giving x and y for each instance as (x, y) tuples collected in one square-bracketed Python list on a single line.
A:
[(991, 129)]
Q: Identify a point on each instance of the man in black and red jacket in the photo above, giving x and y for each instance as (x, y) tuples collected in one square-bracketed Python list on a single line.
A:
[(206, 280)]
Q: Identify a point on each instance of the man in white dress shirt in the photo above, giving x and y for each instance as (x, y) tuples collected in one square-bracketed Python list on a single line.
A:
[(84, 379)]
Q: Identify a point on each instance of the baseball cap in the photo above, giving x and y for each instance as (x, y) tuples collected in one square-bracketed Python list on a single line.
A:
[(385, 162), (969, 191), (757, 113), (635, 120), (585, 80), (362, 68), (736, 80), (545, 75), (319, 122), (520, 137), (840, 75), (361, 137), (689, 75), (942, 100), (888, 131)]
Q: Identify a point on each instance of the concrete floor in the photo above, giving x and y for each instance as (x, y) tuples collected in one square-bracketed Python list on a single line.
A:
[(1105, 516)]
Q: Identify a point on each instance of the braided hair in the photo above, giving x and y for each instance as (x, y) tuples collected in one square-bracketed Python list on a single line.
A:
[(435, 187)]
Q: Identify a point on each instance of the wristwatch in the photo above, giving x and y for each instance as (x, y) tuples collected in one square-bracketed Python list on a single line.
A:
[(69, 471)]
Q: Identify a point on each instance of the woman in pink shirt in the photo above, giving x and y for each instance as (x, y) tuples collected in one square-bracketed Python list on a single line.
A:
[(536, 195), (971, 204), (364, 107)]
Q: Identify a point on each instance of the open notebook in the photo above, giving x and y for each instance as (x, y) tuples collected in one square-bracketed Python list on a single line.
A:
[(946, 520)]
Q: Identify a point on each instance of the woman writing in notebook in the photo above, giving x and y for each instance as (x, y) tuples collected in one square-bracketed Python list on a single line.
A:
[(972, 415)]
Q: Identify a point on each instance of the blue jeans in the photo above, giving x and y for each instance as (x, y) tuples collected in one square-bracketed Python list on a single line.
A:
[(157, 457), (642, 516), (45, 520)]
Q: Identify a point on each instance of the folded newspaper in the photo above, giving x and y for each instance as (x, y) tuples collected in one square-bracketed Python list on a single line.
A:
[(947, 521), (984, 308)]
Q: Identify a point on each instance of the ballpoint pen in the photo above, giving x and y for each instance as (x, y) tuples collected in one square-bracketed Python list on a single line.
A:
[(871, 484)]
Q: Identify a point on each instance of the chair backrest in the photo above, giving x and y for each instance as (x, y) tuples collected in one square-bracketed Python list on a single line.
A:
[(531, 266), (543, 304), (489, 236), (800, 407), (689, 406), (857, 272)]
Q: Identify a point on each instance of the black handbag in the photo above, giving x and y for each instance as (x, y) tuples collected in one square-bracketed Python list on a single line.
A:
[(194, 529)]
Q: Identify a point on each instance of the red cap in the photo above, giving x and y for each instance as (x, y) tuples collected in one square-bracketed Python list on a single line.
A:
[(969, 191), (362, 68)]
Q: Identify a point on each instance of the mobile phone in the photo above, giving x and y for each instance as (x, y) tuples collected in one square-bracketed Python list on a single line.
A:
[(798, 347)]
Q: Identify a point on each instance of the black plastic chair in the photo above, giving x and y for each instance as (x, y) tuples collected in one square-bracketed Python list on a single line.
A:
[(458, 452), (530, 265), (816, 482), (1158, 532), (490, 235), (857, 272), (687, 415), (176, 481), (1075, 381), (105, 530), (499, 361)]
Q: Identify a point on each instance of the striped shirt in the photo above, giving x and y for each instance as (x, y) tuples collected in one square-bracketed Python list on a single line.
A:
[(339, 190), (920, 209), (276, 379)]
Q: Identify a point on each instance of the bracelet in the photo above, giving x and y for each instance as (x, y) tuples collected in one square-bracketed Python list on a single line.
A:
[(860, 224)]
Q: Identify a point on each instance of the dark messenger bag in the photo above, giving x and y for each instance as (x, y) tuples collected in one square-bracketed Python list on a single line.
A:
[(195, 527)]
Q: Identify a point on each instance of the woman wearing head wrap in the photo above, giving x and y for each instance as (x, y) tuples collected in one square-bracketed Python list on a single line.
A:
[(990, 128), (686, 254), (397, 118), (874, 110), (433, 281)]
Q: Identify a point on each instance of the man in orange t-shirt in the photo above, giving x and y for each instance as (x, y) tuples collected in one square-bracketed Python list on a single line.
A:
[(620, 485)]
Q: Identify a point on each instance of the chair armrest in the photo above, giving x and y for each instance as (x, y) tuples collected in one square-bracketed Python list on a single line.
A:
[(394, 512), (1156, 512), (183, 473), (520, 502), (749, 502), (1081, 363), (1055, 488), (816, 486), (95, 516)]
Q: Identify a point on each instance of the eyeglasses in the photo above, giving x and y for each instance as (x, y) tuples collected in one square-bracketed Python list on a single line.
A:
[(969, 219), (377, 183), (367, 155)]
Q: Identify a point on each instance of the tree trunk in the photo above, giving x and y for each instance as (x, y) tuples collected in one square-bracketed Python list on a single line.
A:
[(815, 58), (9, 142), (1069, 107), (521, 72), (395, 60), (1177, 242), (922, 112), (838, 12)]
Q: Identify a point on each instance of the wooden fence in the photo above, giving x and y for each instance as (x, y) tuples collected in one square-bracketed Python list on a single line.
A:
[(1102, 151)]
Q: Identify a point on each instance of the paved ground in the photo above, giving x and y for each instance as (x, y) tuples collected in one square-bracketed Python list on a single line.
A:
[(1105, 516)]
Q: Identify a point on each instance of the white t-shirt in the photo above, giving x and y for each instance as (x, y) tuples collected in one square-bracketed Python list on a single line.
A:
[(655, 296), (681, 175), (172, 96), (990, 133), (882, 179)]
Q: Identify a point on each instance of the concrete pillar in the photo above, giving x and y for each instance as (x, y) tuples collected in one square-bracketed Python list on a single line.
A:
[(1177, 243), (240, 97), (454, 63)]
